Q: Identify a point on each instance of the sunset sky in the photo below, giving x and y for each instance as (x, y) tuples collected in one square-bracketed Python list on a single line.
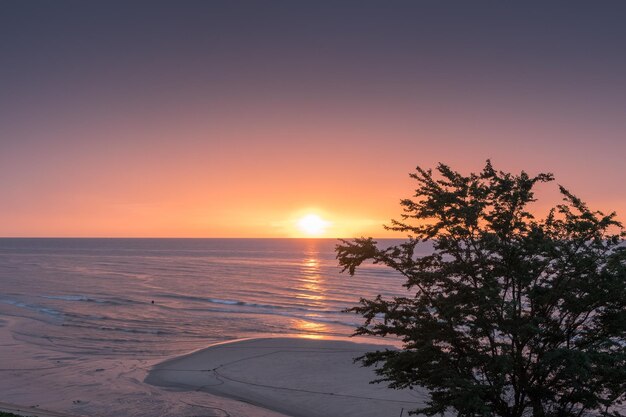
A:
[(239, 119)]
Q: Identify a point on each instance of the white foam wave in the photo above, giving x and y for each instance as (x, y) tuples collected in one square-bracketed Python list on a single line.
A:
[(68, 297), (31, 307)]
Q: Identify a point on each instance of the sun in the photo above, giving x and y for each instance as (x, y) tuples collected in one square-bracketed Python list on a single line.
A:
[(312, 225)]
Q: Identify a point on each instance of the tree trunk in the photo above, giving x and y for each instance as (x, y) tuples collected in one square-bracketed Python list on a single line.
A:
[(538, 410)]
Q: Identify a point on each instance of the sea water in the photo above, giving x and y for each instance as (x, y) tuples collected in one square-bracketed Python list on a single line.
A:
[(158, 297)]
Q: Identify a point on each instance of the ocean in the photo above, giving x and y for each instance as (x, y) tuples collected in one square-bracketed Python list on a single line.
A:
[(160, 297)]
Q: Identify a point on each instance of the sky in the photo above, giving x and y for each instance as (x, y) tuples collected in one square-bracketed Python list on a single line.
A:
[(238, 119)]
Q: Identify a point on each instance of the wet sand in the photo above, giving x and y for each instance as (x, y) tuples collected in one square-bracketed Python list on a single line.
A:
[(43, 381), (31, 412), (266, 377)]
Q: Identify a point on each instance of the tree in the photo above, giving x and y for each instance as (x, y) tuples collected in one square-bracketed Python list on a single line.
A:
[(509, 315)]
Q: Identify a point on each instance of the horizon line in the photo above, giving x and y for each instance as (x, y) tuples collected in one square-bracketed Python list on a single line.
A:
[(183, 237)]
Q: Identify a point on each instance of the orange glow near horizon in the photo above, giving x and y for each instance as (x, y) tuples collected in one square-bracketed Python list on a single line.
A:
[(139, 182)]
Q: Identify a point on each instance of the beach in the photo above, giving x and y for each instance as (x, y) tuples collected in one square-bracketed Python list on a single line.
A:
[(300, 377), (261, 377), (80, 336)]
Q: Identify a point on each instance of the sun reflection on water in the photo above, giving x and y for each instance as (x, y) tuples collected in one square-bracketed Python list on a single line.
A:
[(311, 282), (310, 328), (311, 291)]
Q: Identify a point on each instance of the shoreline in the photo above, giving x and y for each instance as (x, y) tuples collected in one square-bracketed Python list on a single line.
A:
[(298, 377), (46, 382), (31, 411)]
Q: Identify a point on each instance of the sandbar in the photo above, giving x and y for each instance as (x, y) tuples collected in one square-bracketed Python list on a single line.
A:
[(298, 377)]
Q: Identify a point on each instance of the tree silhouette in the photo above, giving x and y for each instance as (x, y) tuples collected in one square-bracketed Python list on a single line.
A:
[(509, 315)]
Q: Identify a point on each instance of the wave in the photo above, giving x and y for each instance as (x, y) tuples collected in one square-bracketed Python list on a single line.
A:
[(258, 305), (331, 321), (251, 308), (139, 331), (32, 307), (283, 313), (96, 326), (245, 303), (87, 299), (227, 302), (69, 297)]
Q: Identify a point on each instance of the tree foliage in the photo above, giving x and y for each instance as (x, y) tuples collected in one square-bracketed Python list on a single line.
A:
[(509, 315)]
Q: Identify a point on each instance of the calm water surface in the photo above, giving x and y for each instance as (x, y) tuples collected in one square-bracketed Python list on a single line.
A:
[(163, 296)]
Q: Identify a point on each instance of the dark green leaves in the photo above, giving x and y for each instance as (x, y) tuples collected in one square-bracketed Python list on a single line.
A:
[(509, 315)]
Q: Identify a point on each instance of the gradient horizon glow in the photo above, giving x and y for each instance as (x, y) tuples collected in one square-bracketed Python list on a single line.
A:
[(237, 119)]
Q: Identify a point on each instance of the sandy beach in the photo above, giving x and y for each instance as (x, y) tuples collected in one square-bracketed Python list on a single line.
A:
[(298, 377), (260, 377)]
